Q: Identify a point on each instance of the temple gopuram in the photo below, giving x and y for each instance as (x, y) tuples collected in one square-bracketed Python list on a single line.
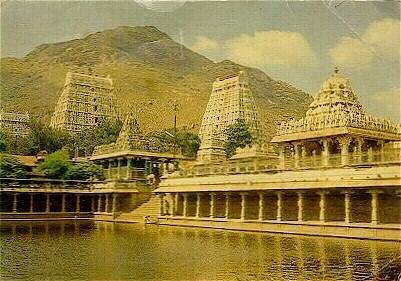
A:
[(15, 123), (335, 130), (231, 99), (85, 101)]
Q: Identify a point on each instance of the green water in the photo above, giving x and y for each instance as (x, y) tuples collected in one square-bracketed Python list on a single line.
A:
[(105, 251)]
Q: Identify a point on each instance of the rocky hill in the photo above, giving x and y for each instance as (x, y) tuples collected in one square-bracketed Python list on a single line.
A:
[(149, 71)]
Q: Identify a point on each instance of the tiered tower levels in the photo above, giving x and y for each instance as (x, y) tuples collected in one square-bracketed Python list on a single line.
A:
[(231, 99), (85, 101), (15, 123)]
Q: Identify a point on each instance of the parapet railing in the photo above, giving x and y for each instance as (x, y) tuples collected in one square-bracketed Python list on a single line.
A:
[(290, 163), (47, 184)]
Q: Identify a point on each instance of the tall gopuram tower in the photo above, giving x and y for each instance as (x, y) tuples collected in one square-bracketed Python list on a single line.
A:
[(335, 128), (85, 101), (231, 99)]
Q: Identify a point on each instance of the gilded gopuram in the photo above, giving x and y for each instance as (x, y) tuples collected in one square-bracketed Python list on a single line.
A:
[(231, 99), (85, 101), (338, 173), (14, 123)]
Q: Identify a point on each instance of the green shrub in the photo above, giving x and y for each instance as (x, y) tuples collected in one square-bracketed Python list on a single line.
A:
[(56, 164), (11, 167), (84, 171)]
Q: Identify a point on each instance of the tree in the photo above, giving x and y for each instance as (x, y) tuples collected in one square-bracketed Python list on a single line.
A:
[(84, 171), (238, 135), (44, 137), (11, 167), (105, 133), (188, 142), (56, 164), (40, 137)]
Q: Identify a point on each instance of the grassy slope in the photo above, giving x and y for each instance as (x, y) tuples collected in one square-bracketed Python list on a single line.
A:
[(149, 70)]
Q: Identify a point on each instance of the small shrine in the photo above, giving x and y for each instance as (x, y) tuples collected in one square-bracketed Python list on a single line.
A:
[(135, 155), (336, 128)]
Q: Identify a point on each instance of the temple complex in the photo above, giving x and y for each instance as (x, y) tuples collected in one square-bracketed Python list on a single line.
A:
[(338, 174), (14, 123), (84, 102), (231, 99)]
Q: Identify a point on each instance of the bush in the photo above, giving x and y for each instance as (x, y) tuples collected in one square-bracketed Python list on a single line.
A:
[(11, 167), (84, 171), (56, 164)]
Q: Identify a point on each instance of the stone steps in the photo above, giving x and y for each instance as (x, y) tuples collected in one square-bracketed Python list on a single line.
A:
[(150, 208)]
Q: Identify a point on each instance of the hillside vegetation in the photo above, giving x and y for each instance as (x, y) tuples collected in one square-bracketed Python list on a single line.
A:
[(149, 71)]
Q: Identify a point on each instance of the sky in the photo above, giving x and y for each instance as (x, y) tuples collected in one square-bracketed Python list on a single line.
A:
[(296, 41)]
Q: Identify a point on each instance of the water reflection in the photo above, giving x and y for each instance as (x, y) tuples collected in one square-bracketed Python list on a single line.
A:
[(106, 251)]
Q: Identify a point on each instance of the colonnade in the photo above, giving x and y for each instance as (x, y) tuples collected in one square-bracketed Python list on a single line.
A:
[(109, 205), (130, 167), (57, 203), (253, 205), (344, 146)]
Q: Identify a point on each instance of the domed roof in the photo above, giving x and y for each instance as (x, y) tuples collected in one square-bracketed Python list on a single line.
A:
[(336, 90)]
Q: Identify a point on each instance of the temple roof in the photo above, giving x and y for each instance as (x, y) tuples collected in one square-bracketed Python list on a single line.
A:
[(336, 110), (132, 141), (335, 92)]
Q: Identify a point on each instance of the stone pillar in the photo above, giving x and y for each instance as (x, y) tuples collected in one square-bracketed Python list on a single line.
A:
[(15, 202), (99, 203), (129, 166), (358, 149), (31, 202), (198, 204), (381, 149), (347, 206), (118, 168), (281, 155), (303, 151), (185, 204), (279, 205), (325, 152), (243, 205), (114, 204), (92, 204), (106, 207), (212, 205), (166, 208), (173, 204), (109, 170), (370, 154), (227, 211), (176, 203), (322, 206), (47, 202), (374, 206), (344, 145), (78, 207), (161, 197), (63, 203), (261, 206), (297, 153), (300, 205)]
